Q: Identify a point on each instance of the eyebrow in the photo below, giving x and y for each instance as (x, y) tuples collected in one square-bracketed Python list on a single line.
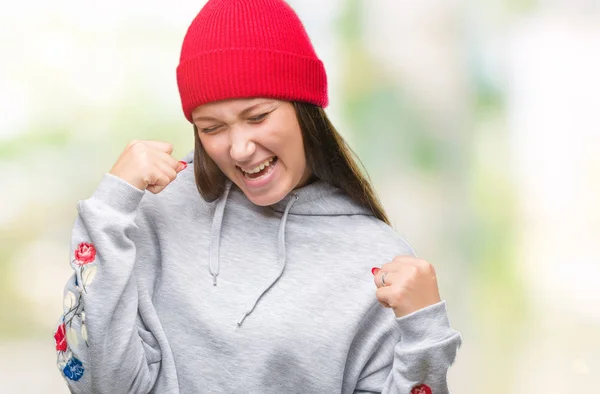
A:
[(242, 113)]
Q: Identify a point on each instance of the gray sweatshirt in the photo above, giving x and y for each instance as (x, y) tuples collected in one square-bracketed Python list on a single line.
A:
[(171, 294)]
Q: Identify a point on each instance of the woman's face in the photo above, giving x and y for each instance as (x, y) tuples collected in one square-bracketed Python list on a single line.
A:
[(257, 143)]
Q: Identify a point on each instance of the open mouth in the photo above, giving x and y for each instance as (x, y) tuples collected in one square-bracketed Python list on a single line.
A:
[(260, 170)]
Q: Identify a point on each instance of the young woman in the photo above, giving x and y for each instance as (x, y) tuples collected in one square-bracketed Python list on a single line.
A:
[(250, 270)]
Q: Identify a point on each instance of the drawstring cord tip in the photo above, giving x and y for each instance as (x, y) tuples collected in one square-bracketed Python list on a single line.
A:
[(214, 280), (239, 323)]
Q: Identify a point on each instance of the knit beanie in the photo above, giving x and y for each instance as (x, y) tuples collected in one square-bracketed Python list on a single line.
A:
[(248, 48)]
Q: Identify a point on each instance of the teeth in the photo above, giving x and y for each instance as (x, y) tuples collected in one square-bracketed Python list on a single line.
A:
[(259, 167)]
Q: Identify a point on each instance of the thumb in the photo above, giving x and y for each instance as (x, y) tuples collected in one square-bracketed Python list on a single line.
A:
[(182, 166)]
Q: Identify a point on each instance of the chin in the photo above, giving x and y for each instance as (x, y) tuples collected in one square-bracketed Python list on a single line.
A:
[(267, 197), (264, 201)]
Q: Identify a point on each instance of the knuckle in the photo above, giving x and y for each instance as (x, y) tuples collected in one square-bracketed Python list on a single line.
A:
[(425, 266), (430, 269), (398, 259), (137, 147), (412, 271), (147, 179), (132, 143), (421, 263), (143, 157)]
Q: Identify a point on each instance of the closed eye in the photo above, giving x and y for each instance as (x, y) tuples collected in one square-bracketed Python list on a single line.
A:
[(209, 129), (259, 118)]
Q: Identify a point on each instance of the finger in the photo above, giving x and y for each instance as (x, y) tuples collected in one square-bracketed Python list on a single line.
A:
[(410, 260), (162, 179), (409, 267), (162, 146), (172, 162), (159, 182), (155, 189), (405, 257), (398, 262), (167, 170), (384, 304), (387, 296), (380, 280), (376, 271), (417, 265), (389, 267), (182, 165)]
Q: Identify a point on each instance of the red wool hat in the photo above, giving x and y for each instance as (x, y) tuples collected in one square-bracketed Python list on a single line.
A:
[(248, 48)]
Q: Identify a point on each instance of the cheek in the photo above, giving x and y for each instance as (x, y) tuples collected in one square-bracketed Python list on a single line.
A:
[(214, 148), (286, 145), (292, 149), (289, 143)]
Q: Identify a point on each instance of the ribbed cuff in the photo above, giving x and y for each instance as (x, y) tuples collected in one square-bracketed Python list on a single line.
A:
[(427, 325), (118, 194)]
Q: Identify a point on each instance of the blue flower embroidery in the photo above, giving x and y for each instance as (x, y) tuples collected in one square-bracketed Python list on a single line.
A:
[(74, 369)]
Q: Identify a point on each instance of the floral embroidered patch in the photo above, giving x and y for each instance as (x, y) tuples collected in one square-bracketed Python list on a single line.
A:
[(66, 336), (85, 254), (60, 338), (73, 369), (421, 389)]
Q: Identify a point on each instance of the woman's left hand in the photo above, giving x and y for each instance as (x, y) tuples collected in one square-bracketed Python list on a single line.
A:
[(406, 285)]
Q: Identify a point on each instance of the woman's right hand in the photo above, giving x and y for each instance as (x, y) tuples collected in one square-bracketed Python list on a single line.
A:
[(148, 165)]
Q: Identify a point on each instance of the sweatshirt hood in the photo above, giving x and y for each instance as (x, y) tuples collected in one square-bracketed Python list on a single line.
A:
[(318, 198)]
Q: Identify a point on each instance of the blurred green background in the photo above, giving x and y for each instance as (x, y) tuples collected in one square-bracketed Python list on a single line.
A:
[(478, 123)]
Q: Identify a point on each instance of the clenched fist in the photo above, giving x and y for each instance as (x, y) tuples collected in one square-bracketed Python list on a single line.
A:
[(148, 165), (406, 285)]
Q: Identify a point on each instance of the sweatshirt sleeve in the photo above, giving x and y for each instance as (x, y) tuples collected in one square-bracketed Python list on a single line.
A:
[(407, 355), (101, 342)]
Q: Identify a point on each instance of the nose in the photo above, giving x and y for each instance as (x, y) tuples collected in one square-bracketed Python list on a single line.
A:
[(242, 146)]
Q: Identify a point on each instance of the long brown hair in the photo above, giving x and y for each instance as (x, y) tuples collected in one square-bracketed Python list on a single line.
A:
[(327, 154)]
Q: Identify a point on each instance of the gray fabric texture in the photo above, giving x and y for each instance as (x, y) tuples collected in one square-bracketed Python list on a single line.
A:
[(231, 297)]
